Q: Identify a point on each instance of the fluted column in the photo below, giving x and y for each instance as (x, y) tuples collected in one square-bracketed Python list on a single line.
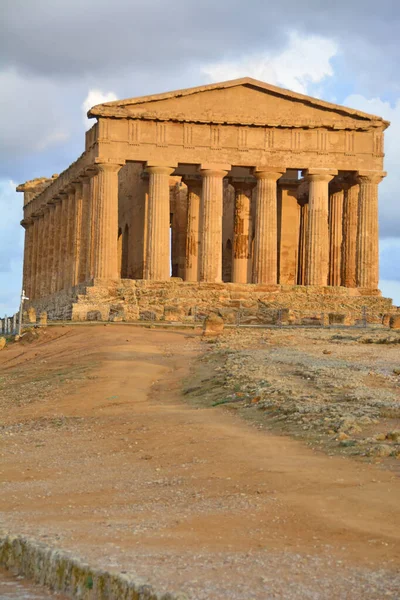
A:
[(288, 215), (76, 233), (193, 229), (28, 247), (50, 247), (368, 230), (62, 257), (35, 242), (265, 260), (158, 263), (85, 231), (93, 196), (44, 254), (318, 232), (105, 222), (301, 276), (335, 236), (210, 261), (350, 226), (242, 232), (69, 263), (57, 248), (39, 256)]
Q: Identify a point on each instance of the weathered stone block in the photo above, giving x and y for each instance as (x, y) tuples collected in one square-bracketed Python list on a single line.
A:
[(395, 322)]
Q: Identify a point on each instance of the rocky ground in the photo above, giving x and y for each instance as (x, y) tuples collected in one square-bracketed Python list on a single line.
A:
[(337, 389)]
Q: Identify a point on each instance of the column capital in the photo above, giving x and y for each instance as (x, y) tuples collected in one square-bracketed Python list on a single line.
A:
[(214, 169), (270, 173), (159, 170), (108, 167), (370, 176), (320, 174), (26, 222)]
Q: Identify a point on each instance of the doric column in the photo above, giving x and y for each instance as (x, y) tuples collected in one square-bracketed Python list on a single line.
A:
[(318, 232), (193, 228), (288, 226), (368, 230), (39, 255), (335, 235), (76, 233), (57, 248), (84, 257), (50, 247), (265, 260), (301, 275), (44, 252), (350, 226), (93, 196), (69, 264), (62, 257), (105, 222), (35, 243), (210, 260), (28, 250), (242, 232), (158, 264)]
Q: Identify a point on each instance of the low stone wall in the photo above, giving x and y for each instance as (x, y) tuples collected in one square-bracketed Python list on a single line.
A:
[(62, 572), (181, 301)]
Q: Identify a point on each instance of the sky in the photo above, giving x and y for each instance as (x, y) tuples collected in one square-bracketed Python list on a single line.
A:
[(59, 57)]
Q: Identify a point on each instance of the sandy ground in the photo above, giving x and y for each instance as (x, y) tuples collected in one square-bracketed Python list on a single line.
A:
[(101, 455)]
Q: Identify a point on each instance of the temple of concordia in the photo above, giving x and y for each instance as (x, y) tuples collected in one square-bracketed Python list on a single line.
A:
[(231, 196)]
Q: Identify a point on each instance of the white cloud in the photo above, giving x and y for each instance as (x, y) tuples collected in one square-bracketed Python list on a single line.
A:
[(305, 61), (51, 139), (94, 97)]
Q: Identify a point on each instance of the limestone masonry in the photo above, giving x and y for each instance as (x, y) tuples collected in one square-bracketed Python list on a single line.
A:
[(240, 191)]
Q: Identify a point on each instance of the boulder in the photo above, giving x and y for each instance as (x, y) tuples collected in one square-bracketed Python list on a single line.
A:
[(213, 325), (395, 322), (43, 318), (2, 343)]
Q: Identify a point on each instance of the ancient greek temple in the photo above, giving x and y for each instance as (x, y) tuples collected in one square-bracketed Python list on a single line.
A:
[(236, 182)]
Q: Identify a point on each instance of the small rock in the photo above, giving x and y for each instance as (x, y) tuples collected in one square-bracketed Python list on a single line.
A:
[(396, 371), (343, 436), (2, 342), (394, 436), (380, 437), (383, 450), (326, 352)]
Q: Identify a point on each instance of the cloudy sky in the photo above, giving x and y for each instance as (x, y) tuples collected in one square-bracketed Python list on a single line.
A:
[(59, 57)]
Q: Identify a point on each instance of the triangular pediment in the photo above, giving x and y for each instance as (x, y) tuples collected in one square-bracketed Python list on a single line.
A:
[(242, 101)]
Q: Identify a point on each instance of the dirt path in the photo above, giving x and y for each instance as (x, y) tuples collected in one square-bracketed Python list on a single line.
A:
[(115, 466)]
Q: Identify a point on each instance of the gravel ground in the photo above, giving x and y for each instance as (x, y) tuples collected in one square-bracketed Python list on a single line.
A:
[(339, 390)]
